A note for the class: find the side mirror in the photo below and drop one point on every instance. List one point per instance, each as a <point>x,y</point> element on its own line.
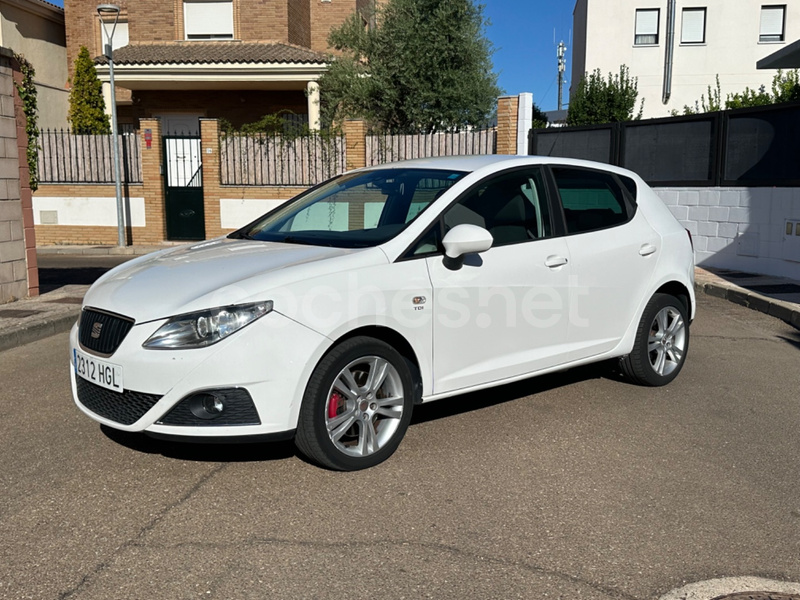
<point>462,240</point>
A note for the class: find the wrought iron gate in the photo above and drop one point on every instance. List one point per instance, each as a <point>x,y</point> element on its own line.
<point>183,181</point>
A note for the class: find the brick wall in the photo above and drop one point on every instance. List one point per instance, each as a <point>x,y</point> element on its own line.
<point>507,110</point>
<point>83,26</point>
<point>264,20</point>
<point>326,16</point>
<point>154,20</point>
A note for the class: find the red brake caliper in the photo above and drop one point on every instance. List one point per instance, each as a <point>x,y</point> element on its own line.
<point>334,404</point>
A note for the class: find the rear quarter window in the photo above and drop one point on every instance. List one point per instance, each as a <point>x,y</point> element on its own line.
<point>591,200</point>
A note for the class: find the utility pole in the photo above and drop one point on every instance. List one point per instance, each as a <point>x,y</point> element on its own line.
<point>562,65</point>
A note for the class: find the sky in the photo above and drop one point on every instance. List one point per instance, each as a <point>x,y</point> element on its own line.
<point>523,34</point>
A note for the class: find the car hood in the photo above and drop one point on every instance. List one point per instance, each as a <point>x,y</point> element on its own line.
<point>219,272</point>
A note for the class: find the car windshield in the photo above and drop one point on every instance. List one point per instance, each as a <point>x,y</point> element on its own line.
<point>355,210</point>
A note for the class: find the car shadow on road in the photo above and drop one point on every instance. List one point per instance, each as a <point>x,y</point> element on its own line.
<point>513,391</point>
<point>202,452</point>
<point>233,452</point>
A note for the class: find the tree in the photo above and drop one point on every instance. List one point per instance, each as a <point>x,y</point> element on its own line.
<point>598,100</point>
<point>86,105</point>
<point>540,119</point>
<point>425,66</point>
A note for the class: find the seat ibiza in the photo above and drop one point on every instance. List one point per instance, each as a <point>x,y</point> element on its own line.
<point>329,318</point>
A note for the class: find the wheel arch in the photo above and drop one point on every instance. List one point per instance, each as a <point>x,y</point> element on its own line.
<point>397,341</point>
<point>679,291</point>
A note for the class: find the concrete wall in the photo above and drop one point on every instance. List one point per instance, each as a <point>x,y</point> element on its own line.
<point>745,229</point>
<point>37,32</point>
<point>731,49</point>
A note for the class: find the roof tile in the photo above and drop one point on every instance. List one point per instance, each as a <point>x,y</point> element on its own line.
<point>191,52</point>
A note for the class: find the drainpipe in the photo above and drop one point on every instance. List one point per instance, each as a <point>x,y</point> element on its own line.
<point>668,56</point>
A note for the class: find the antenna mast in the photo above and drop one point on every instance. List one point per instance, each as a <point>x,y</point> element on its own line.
<point>562,65</point>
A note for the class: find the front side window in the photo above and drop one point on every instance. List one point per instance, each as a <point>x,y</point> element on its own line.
<point>773,23</point>
<point>208,20</point>
<point>646,27</point>
<point>591,200</point>
<point>355,211</point>
<point>511,206</point>
<point>693,26</point>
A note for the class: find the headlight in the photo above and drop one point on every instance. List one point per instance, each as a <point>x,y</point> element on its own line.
<point>200,329</point>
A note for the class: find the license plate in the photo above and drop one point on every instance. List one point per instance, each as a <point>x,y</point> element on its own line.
<point>99,372</point>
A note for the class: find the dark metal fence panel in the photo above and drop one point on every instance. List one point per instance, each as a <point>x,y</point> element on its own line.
<point>65,157</point>
<point>674,151</point>
<point>261,159</point>
<point>762,146</point>
<point>382,147</point>
<point>598,143</point>
<point>744,147</point>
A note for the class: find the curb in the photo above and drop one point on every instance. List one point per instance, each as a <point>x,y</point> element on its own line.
<point>16,337</point>
<point>785,311</point>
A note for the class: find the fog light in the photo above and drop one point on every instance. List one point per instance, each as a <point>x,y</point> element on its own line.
<point>206,406</point>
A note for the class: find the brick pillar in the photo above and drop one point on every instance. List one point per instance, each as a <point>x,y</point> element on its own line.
<point>355,141</point>
<point>155,229</point>
<point>507,109</point>
<point>212,189</point>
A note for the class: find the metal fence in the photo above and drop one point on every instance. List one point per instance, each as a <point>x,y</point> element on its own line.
<point>383,148</point>
<point>744,147</point>
<point>66,157</point>
<point>262,159</point>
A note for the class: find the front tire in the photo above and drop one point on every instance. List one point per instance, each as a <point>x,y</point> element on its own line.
<point>662,342</point>
<point>357,405</point>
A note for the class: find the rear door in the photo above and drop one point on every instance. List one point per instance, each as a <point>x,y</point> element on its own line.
<point>613,252</point>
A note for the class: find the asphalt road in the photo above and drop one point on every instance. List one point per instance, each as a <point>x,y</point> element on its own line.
<point>575,485</point>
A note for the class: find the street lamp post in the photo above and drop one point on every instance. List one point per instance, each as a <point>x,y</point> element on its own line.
<point>105,11</point>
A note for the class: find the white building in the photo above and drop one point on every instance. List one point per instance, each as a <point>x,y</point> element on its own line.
<point>676,48</point>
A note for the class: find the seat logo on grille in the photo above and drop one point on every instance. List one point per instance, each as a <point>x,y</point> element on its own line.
<point>96,329</point>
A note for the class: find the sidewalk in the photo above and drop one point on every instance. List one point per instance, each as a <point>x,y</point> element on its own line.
<point>33,319</point>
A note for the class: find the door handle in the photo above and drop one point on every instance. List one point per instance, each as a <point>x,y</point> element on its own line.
<point>647,249</point>
<point>555,261</point>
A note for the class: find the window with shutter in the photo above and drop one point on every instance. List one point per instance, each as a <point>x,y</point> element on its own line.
<point>208,20</point>
<point>646,27</point>
<point>693,26</point>
<point>773,21</point>
<point>120,37</point>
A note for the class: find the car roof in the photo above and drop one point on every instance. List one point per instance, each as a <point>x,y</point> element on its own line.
<point>493,162</point>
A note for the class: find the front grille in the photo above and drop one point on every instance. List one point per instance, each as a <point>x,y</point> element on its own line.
<point>125,408</point>
<point>102,332</point>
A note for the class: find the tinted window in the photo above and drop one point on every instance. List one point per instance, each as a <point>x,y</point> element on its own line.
<point>512,207</point>
<point>591,199</point>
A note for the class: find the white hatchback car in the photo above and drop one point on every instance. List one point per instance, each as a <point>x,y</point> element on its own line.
<point>329,318</point>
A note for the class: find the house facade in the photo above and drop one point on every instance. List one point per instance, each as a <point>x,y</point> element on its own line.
<point>182,60</point>
<point>677,48</point>
<point>35,30</point>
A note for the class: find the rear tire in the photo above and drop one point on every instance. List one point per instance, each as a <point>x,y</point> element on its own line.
<point>661,345</point>
<point>357,405</point>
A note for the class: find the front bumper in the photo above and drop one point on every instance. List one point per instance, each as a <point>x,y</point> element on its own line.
<point>271,359</point>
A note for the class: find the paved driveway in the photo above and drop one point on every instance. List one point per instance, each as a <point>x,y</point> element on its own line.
<point>573,485</point>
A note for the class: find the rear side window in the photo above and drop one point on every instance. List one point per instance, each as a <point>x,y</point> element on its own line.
<point>591,200</point>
